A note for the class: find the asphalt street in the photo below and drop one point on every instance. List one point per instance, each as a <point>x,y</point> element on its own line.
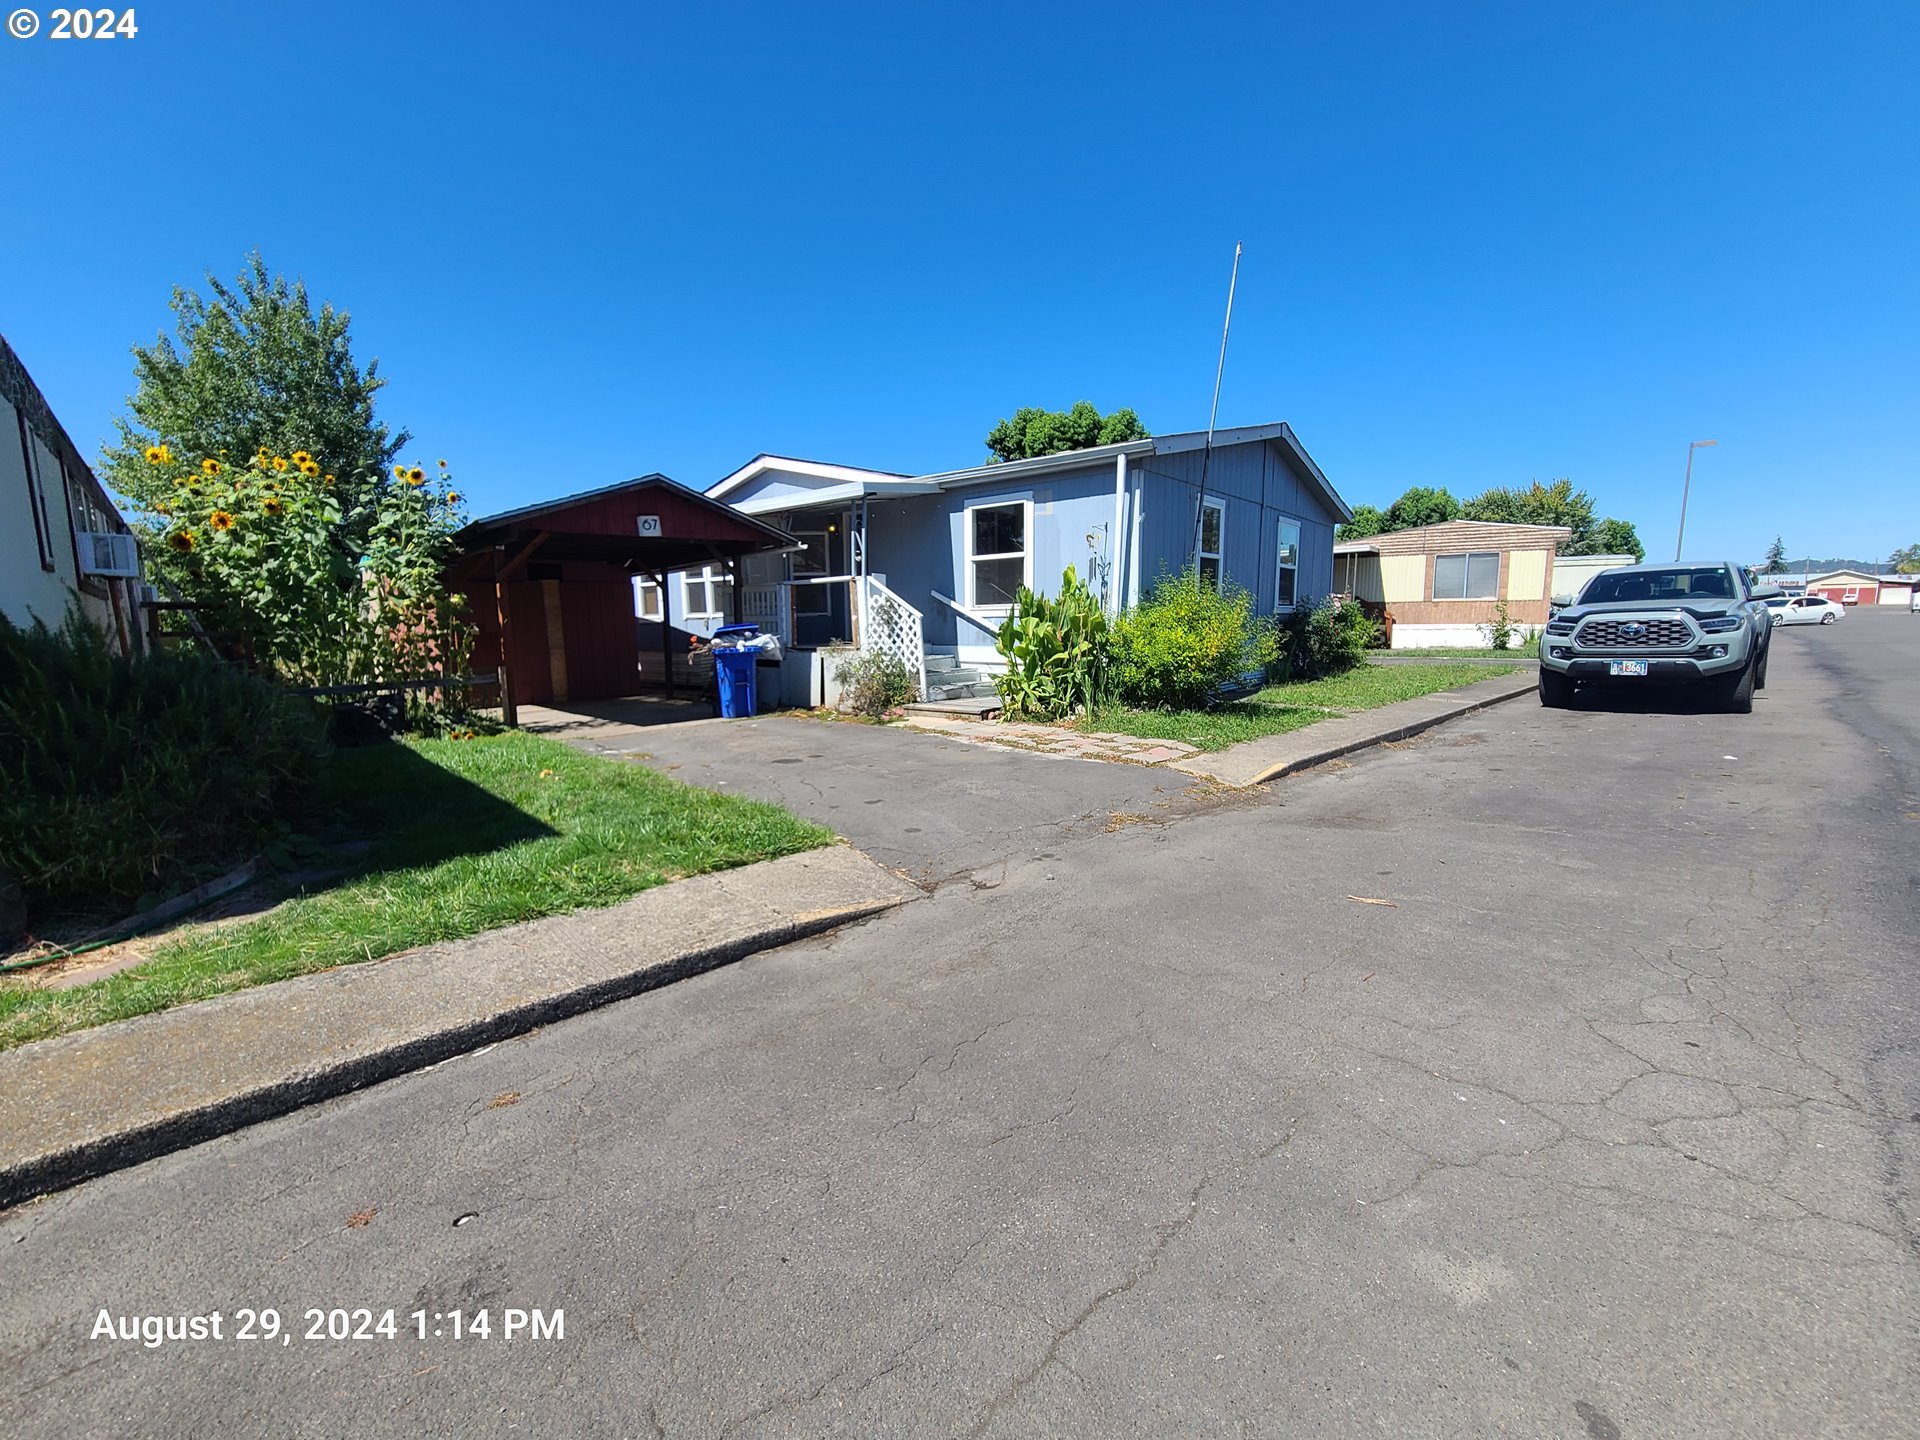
<point>1555,1073</point>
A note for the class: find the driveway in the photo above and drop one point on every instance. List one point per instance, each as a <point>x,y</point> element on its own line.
<point>928,806</point>
<point>1602,1125</point>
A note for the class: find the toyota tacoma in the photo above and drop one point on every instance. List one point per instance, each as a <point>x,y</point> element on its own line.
<point>1685,624</point>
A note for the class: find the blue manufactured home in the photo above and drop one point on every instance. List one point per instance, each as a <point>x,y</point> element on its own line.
<point>926,566</point>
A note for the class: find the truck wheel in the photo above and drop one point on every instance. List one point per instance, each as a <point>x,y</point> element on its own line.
<point>1556,690</point>
<point>1739,691</point>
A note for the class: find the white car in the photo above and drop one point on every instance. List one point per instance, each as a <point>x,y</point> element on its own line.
<point>1805,610</point>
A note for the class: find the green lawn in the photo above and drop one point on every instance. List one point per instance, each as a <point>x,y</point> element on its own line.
<point>1460,652</point>
<point>467,835</point>
<point>1206,729</point>
<point>1280,708</point>
<point>1366,686</point>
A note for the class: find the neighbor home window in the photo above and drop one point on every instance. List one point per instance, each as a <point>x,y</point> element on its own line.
<point>1286,575</point>
<point>998,563</point>
<point>1466,577</point>
<point>649,599</point>
<point>1213,529</point>
<point>708,593</point>
<point>36,494</point>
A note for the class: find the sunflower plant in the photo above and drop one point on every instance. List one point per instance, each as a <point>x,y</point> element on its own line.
<point>301,585</point>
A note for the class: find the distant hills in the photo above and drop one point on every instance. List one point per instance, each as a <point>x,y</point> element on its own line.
<point>1815,567</point>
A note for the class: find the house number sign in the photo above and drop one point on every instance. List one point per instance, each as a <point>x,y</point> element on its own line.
<point>650,525</point>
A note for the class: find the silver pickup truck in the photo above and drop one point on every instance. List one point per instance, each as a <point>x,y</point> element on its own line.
<point>1688,624</point>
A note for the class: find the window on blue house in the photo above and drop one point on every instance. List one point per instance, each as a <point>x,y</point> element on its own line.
<point>1213,534</point>
<point>650,599</point>
<point>1286,570</point>
<point>998,562</point>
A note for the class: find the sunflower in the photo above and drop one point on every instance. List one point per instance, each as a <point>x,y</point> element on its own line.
<point>416,476</point>
<point>279,463</point>
<point>399,472</point>
<point>312,467</point>
<point>443,464</point>
<point>212,467</point>
<point>181,541</point>
<point>155,455</point>
<point>327,478</point>
<point>453,497</point>
<point>300,458</point>
<point>273,505</point>
<point>221,520</point>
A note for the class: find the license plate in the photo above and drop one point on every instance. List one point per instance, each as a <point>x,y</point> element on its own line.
<point>1626,667</point>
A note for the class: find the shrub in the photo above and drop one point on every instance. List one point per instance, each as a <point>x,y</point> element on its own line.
<point>1322,637</point>
<point>122,776</point>
<point>1501,631</point>
<point>1185,642</point>
<point>872,683</point>
<point>1056,652</point>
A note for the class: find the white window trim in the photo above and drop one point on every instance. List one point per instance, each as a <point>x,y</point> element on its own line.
<point>1299,538</point>
<point>1466,574</point>
<point>1219,556</point>
<point>1026,556</point>
<point>643,585</point>
<point>704,577</point>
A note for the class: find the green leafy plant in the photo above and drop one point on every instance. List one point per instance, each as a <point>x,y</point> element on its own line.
<point>1056,652</point>
<point>298,584</point>
<point>1186,642</point>
<point>1321,637</point>
<point>873,682</point>
<point>1501,631</point>
<point>121,776</point>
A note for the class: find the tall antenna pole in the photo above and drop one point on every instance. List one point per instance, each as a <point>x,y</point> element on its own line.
<point>1206,455</point>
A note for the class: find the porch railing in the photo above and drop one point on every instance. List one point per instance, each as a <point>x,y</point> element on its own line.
<point>890,626</point>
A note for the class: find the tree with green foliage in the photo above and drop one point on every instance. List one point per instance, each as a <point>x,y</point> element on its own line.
<point>1034,432</point>
<point>254,366</point>
<point>1421,505</point>
<point>1906,561</point>
<point>1776,557</point>
<point>1613,537</point>
<point>1367,520</point>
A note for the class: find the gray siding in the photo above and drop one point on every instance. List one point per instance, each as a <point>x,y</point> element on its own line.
<point>1259,487</point>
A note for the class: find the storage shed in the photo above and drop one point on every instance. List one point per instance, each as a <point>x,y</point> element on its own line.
<point>551,585</point>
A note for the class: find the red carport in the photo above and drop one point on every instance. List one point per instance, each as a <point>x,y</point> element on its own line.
<point>550,586</point>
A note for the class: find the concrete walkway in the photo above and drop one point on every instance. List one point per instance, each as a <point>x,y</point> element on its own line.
<point>1253,762</point>
<point>1061,740</point>
<point>98,1100</point>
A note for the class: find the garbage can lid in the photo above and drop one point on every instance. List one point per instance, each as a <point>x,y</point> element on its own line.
<point>745,631</point>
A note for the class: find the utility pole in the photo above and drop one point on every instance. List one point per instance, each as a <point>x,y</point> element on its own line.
<point>1206,456</point>
<point>1686,486</point>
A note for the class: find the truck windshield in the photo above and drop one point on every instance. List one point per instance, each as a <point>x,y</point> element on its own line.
<point>1680,584</point>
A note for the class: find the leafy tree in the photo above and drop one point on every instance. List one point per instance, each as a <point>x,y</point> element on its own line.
<point>255,366</point>
<point>1776,558</point>
<point>1421,505</point>
<point>1905,561</point>
<point>1612,537</point>
<point>1367,520</point>
<point>1034,432</point>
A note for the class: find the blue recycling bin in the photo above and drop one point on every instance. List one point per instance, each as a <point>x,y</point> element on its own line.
<point>733,671</point>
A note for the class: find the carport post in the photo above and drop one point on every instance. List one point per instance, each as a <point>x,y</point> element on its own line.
<point>509,712</point>
<point>666,629</point>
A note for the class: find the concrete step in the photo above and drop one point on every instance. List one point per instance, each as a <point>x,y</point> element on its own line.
<point>976,708</point>
<point>940,664</point>
<point>967,690</point>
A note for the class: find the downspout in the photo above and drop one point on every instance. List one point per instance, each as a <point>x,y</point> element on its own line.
<point>1138,523</point>
<point>1115,552</point>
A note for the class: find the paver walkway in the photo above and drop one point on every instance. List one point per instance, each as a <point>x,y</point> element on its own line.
<point>1056,740</point>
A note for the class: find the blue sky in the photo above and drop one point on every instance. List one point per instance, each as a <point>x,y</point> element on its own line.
<point>591,241</point>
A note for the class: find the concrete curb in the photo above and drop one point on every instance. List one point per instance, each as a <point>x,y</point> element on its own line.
<point>1254,762</point>
<point>86,1104</point>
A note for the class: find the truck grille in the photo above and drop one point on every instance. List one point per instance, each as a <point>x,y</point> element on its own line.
<point>1650,634</point>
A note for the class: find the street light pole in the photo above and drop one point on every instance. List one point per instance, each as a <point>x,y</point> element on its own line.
<point>1685,487</point>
